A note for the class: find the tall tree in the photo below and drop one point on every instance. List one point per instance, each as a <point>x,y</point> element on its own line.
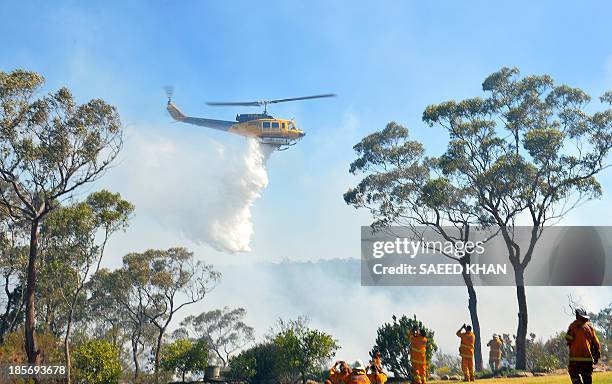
<point>224,331</point>
<point>170,280</point>
<point>73,240</point>
<point>403,187</point>
<point>49,147</point>
<point>120,309</point>
<point>528,149</point>
<point>303,351</point>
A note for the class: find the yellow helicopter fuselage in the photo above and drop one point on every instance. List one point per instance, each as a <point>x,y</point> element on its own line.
<point>279,133</point>
<point>267,128</point>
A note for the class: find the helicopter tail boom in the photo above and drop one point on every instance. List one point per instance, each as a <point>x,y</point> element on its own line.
<point>177,115</point>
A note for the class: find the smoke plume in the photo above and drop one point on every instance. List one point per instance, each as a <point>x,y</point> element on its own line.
<point>230,227</point>
<point>200,189</point>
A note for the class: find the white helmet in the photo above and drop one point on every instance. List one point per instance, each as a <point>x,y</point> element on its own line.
<point>358,364</point>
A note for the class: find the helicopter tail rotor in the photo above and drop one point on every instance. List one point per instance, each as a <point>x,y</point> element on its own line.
<point>169,92</point>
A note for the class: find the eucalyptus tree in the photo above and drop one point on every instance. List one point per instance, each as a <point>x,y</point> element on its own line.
<point>169,280</point>
<point>50,146</point>
<point>401,186</point>
<point>73,239</point>
<point>527,150</point>
<point>223,330</point>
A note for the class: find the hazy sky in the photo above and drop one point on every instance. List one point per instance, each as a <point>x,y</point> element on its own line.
<point>386,61</point>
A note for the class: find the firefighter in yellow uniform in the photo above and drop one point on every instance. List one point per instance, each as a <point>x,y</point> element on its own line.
<point>418,356</point>
<point>338,373</point>
<point>584,348</point>
<point>495,353</point>
<point>376,375</point>
<point>358,375</point>
<point>466,350</point>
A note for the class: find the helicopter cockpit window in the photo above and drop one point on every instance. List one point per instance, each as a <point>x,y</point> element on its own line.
<point>275,126</point>
<point>266,125</point>
<point>291,126</point>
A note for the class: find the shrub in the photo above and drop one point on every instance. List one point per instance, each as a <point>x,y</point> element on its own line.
<point>97,362</point>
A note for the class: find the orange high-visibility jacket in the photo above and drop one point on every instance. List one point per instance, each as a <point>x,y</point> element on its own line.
<point>418,349</point>
<point>358,377</point>
<point>495,351</point>
<point>337,377</point>
<point>377,378</point>
<point>582,341</point>
<point>466,349</point>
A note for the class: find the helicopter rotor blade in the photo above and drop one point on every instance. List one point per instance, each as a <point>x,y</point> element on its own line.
<point>238,103</point>
<point>300,98</point>
<point>169,91</point>
<point>263,103</point>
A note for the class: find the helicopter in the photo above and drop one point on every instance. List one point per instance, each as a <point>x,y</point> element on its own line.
<point>278,133</point>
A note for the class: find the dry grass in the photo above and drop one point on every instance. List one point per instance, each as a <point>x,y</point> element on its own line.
<point>598,378</point>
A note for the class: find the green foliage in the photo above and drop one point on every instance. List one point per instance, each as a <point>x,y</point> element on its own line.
<point>557,346</point>
<point>393,343</point>
<point>303,351</point>
<point>539,358</point>
<point>97,362</point>
<point>12,350</point>
<point>259,364</point>
<point>603,325</point>
<point>184,356</point>
<point>446,364</point>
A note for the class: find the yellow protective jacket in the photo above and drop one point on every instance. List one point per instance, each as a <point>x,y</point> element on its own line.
<point>377,378</point>
<point>495,351</point>
<point>466,349</point>
<point>418,349</point>
<point>337,377</point>
<point>583,342</point>
<point>358,377</point>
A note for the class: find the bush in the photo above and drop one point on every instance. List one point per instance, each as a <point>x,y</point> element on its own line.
<point>394,345</point>
<point>259,364</point>
<point>184,356</point>
<point>446,364</point>
<point>539,358</point>
<point>97,362</point>
<point>12,350</point>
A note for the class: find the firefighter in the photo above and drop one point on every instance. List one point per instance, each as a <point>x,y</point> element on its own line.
<point>339,373</point>
<point>584,348</point>
<point>466,350</point>
<point>358,374</point>
<point>376,375</point>
<point>418,356</point>
<point>376,360</point>
<point>495,353</point>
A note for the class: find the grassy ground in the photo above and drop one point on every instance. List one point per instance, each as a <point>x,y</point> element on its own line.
<point>598,378</point>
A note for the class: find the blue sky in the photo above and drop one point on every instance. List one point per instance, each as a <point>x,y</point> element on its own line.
<point>386,61</point>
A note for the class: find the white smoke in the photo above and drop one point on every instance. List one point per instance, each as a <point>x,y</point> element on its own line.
<point>199,188</point>
<point>230,225</point>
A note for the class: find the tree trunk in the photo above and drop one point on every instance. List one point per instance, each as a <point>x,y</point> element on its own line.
<point>473,307</point>
<point>158,354</point>
<point>135,357</point>
<point>67,350</point>
<point>30,320</point>
<point>521,333</point>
